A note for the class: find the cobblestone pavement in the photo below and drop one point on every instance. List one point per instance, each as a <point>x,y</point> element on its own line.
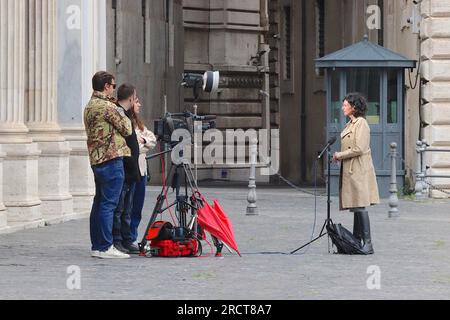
<point>411,261</point>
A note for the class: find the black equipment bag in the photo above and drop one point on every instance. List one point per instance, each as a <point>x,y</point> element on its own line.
<point>344,240</point>
<point>160,230</point>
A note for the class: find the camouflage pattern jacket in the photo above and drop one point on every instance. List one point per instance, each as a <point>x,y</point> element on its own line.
<point>106,128</point>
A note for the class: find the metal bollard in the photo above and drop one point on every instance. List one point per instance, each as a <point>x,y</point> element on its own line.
<point>425,188</point>
<point>393,198</point>
<point>419,174</point>
<point>252,209</point>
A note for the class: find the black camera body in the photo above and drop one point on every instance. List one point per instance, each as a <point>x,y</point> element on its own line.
<point>165,127</point>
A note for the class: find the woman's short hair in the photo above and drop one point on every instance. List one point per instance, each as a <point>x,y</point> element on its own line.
<point>358,102</point>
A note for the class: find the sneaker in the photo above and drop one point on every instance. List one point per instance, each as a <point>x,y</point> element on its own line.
<point>131,248</point>
<point>120,247</point>
<point>95,253</point>
<point>112,253</point>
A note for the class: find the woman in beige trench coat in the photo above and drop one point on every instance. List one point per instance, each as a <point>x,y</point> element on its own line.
<point>358,187</point>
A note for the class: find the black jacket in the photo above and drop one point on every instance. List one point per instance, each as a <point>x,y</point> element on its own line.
<point>131,164</point>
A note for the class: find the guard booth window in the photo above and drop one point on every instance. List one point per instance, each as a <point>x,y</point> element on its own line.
<point>367,82</point>
<point>392,97</point>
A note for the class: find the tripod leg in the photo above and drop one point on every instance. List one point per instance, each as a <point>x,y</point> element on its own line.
<point>314,240</point>
<point>219,246</point>
<point>157,210</point>
<point>328,221</point>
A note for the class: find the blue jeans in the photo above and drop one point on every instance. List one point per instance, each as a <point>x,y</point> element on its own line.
<point>109,178</point>
<point>138,205</point>
<point>122,220</point>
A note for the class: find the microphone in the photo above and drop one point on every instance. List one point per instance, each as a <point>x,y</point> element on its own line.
<point>193,116</point>
<point>206,118</point>
<point>329,144</point>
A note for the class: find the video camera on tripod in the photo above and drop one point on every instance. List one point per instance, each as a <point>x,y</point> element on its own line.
<point>165,127</point>
<point>182,240</point>
<point>163,239</point>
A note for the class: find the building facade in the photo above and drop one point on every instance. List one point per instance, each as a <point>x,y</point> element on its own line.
<point>49,52</point>
<point>264,49</point>
<point>229,37</point>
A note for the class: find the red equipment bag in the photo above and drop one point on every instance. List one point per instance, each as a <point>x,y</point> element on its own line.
<point>170,248</point>
<point>164,242</point>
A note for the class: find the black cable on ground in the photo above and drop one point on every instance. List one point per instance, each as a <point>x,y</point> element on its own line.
<point>315,207</point>
<point>315,215</point>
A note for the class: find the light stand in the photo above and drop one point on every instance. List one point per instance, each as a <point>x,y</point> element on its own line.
<point>208,82</point>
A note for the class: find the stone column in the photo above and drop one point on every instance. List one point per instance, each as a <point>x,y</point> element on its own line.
<point>82,185</point>
<point>81,53</point>
<point>3,217</point>
<point>41,113</point>
<point>20,167</point>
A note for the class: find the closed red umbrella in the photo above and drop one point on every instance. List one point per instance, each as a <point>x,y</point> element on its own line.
<point>215,221</point>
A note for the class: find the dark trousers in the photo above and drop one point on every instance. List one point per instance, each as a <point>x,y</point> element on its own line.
<point>122,220</point>
<point>109,179</point>
<point>138,205</point>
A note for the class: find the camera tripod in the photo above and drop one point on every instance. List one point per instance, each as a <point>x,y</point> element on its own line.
<point>182,204</point>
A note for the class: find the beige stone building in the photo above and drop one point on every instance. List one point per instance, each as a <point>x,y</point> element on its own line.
<point>264,49</point>
<point>229,36</point>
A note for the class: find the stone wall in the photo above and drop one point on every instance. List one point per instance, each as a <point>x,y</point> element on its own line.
<point>228,36</point>
<point>400,36</point>
<point>145,48</point>
<point>20,166</point>
<point>299,103</point>
<point>47,62</point>
<point>3,215</point>
<point>435,34</point>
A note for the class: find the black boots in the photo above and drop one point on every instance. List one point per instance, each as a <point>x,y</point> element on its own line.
<point>356,226</point>
<point>361,230</point>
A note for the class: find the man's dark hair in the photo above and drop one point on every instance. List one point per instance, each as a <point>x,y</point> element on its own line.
<point>125,91</point>
<point>101,79</point>
<point>358,102</point>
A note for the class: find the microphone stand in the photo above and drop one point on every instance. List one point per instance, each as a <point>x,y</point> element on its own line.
<point>328,221</point>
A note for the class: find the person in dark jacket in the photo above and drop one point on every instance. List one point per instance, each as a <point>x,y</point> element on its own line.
<point>123,241</point>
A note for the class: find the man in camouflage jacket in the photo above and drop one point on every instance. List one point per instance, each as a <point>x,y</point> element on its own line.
<point>106,126</point>
<point>106,129</point>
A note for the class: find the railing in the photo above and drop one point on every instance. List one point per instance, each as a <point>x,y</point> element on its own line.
<point>422,187</point>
